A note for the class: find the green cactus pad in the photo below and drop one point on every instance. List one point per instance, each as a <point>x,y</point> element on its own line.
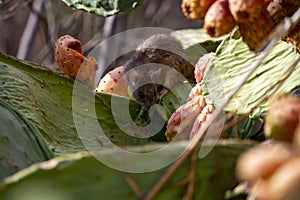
<point>104,7</point>
<point>44,97</point>
<point>81,176</point>
<point>233,60</point>
<point>197,42</point>
<point>21,143</point>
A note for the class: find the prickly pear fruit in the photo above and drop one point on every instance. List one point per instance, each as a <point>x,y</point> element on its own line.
<point>87,72</point>
<point>282,118</point>
<point>218,19</point>
<point>68,55</point>
<point>272,169</point>
<point>181,122</point>
<point>113,82</point>
<point>195,9</point>
<point>266,157</point>
<point>296,139</point>
<point>69,59</point>
<point>204,117</point>
<point>245,10</point>
<point>285,182</point>
<point>201,65</point>
<point>196,91</point>
<point>254,32</point>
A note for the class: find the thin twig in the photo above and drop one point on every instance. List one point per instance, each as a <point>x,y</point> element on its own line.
<point>133,185</point>
<point>180,183</point>
<point>197,138</point>
<point>234,122</point>
<point>192,176</point>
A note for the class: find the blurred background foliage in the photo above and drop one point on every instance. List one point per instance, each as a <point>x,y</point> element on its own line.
<point>30,28</point>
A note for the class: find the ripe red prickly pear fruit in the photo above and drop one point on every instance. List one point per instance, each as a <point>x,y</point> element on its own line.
<point>68,55</point>
<point>182,120</point>
<point>114,82</point>
<point>204,117</point>
<point>245,10</point>
<point>283,117</point>
<point>218,19</point>
<point>196,91</point>
<point>285,182</point>
<point>267,157</point>
<point>69,59</point>
<point>201,65</point>
<point>254,32</point>
<point>195,9</point>
<point>87,72</point>
<point>69,42</point>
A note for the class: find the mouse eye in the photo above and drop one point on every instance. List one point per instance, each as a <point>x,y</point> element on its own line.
<point>160,88</point>
<point>142,95</point>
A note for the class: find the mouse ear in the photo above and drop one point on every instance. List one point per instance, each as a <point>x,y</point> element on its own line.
<point>155,75</point>
<point>132,76</point>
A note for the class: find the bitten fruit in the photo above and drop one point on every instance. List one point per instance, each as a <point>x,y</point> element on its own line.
<point>69,60</point>
<point>114,82</point>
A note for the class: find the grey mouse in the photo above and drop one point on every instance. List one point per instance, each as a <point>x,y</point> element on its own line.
<point>157,65</point>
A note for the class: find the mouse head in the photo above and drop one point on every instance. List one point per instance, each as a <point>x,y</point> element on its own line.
<point>145,87</point>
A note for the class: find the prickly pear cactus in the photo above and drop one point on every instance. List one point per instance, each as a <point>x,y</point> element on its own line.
<point>21,144</point>
<point>44,98</point>
<point>104,7</point>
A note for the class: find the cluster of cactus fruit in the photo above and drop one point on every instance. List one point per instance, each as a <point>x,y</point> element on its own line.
<point>278,161</point>
<point>271,170</point>
<point>255,18</point>
<point>187,120</point>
